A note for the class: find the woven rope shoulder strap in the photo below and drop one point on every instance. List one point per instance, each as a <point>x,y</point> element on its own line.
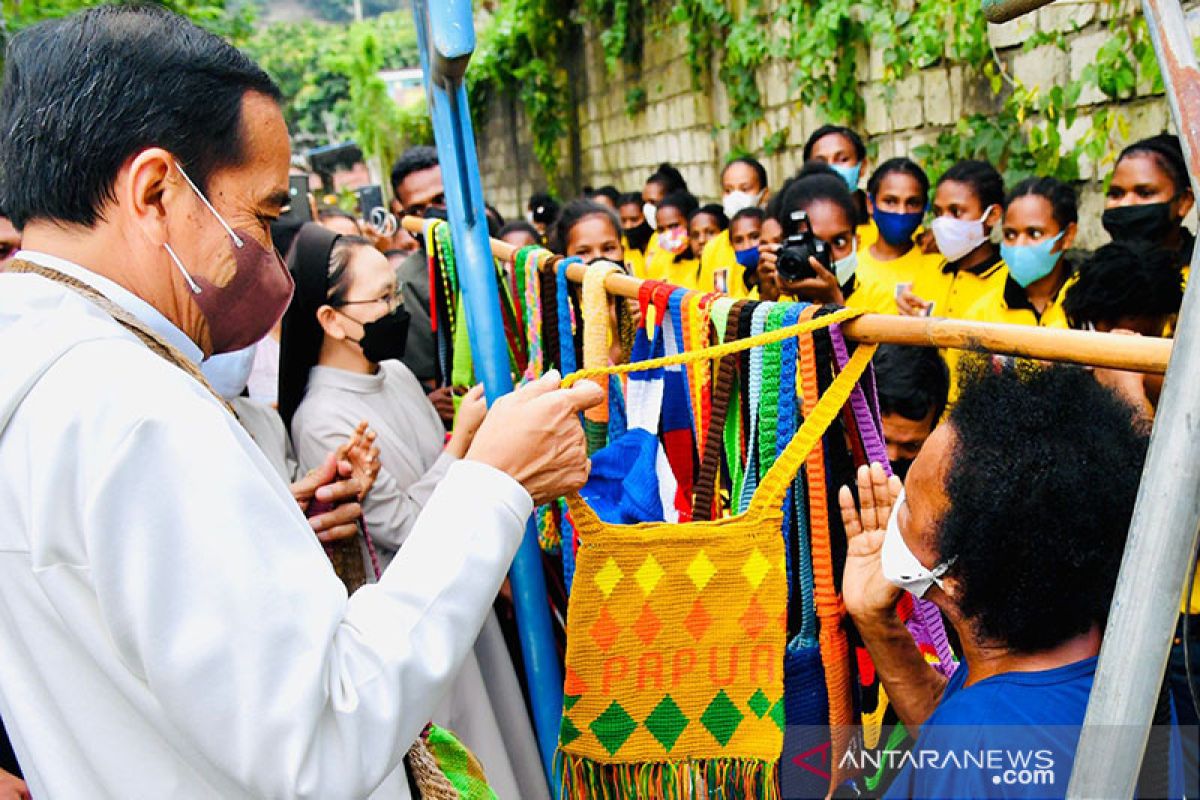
<point>152,340</point>
<point>768,498</point>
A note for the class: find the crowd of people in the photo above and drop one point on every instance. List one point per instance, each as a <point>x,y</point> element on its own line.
<point>169,625</point>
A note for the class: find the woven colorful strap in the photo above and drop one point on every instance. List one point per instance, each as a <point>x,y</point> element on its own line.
<point>596,333</point>
<point>927,619</point>
<point>758,324</point>
<point>566,319</point>
<point>785,427</point>
<point>737,435</point>
<point>704,505</point>
<point>527,269</point>
<point>835,648</point>
<point>768,407</point>
<point>548,277</point>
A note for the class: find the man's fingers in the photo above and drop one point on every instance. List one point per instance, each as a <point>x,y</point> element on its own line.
<point>866,498</point>
<point>543,385</point>
<point>345,514</point>
<point>850,520</point>
<point>879,487</point>
<point>337,533</point>
<point>474,393</point>
<point>340,491</point>
<point>584,395</point>
<point>895,486</point>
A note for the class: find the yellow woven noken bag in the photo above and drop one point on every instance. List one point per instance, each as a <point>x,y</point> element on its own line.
<point>676,633</point>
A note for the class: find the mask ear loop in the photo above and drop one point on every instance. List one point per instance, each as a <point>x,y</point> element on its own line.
<point>237,240</point>
<point>182,270</point>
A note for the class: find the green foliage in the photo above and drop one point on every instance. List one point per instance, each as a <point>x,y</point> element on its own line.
<point>218,16</point>
<point>313,64</point>
<point>520,55</point>
<point>635,101</point>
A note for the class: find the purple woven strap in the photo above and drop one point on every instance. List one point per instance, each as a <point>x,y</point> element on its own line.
<point>927,618</point>
<point>868,424</point>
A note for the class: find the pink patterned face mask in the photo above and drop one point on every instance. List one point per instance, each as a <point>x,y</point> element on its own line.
<point>673,240</point>
<point>246,308</point>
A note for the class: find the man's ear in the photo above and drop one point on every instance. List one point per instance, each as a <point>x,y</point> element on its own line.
<point>148,185</point>
<point>331,322</point>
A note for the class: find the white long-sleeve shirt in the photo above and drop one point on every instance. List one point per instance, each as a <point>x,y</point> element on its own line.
<point>169,626</point>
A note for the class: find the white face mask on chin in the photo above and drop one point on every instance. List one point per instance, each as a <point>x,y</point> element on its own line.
<point>900,566</point>
<point>958,237</point>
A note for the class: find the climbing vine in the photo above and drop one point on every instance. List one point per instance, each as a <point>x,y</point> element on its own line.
<point>831,48</point>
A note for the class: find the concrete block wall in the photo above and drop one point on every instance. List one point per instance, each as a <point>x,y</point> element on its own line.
<point>688,127</point>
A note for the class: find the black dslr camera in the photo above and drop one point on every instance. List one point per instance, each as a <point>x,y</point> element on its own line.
<point>792,262</point>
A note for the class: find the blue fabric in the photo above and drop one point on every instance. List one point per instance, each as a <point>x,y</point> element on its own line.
<point>617,422</point>
<point>1026,721</point>
<point>623,486</point>
<point>566,335</point>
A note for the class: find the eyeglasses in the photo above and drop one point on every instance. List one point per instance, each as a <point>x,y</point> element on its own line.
<point>393,300</point>
<point>419,209</point>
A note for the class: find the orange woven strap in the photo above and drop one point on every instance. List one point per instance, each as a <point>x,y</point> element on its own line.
<point>594,302</point>
<point>835,648</point>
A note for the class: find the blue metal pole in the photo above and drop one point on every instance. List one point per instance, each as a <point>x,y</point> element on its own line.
<point>446,35</point>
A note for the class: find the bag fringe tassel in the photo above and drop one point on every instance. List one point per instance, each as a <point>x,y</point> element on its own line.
<point>693,779</point>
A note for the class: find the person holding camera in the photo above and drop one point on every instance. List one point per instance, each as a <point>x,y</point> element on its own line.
<point>818,258</point>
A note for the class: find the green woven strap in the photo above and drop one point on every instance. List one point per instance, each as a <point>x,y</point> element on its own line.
<point>768,408</point>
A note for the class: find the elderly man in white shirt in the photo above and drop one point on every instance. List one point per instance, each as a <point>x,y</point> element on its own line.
<point>169,625</point>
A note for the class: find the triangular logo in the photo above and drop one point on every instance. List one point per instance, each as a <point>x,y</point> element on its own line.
<point>816,760</point>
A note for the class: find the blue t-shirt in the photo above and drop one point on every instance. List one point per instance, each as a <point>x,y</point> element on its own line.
<point>1010,735</point>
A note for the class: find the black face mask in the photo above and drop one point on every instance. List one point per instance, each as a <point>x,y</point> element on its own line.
<point>900,467</point>
<point>639,237</point>
<point>384,339</point>
<point>1152,222</point>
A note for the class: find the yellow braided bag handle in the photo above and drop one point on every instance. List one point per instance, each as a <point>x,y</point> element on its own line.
<point>717,351</point>
<point>768,497</point>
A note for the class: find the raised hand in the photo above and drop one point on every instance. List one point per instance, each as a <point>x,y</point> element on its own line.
<point>362,456</point>
<point>866,592</point>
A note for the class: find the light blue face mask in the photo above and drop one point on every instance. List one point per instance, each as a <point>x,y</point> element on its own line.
<point>1031,262</point>
<point>849,174</point>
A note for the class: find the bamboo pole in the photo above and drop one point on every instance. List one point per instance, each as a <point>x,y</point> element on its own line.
<point>1135,353</point>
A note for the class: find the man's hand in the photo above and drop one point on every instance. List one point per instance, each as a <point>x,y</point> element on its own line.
<point>361,453</point>
<point>330,484</point>
<point>443,402</point>
<point>12,787</point>
<point>868,595</point>
<point>534,435</point>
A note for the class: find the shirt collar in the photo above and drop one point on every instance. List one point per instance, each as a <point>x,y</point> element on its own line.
<point>982,270</point>
<point>1016,299</point>
<point>150,316</point>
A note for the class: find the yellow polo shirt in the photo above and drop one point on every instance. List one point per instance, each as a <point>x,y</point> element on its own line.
<point>954,292</point>
<point>878,279</point>
<point>719,256</point>
<point>635,260</point>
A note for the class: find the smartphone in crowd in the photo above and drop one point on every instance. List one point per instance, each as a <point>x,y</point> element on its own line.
<point>369,198</point>
<point>299,208</point>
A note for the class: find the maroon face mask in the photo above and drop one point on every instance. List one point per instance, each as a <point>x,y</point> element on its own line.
<point>245,309</point>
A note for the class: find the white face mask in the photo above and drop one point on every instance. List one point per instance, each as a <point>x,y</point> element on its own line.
<point>650,212</point>
<point>228,373</point>
<point>900,566</point>
<point>734,202</point>
<point>845,268</point>
<point>957,237</point>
